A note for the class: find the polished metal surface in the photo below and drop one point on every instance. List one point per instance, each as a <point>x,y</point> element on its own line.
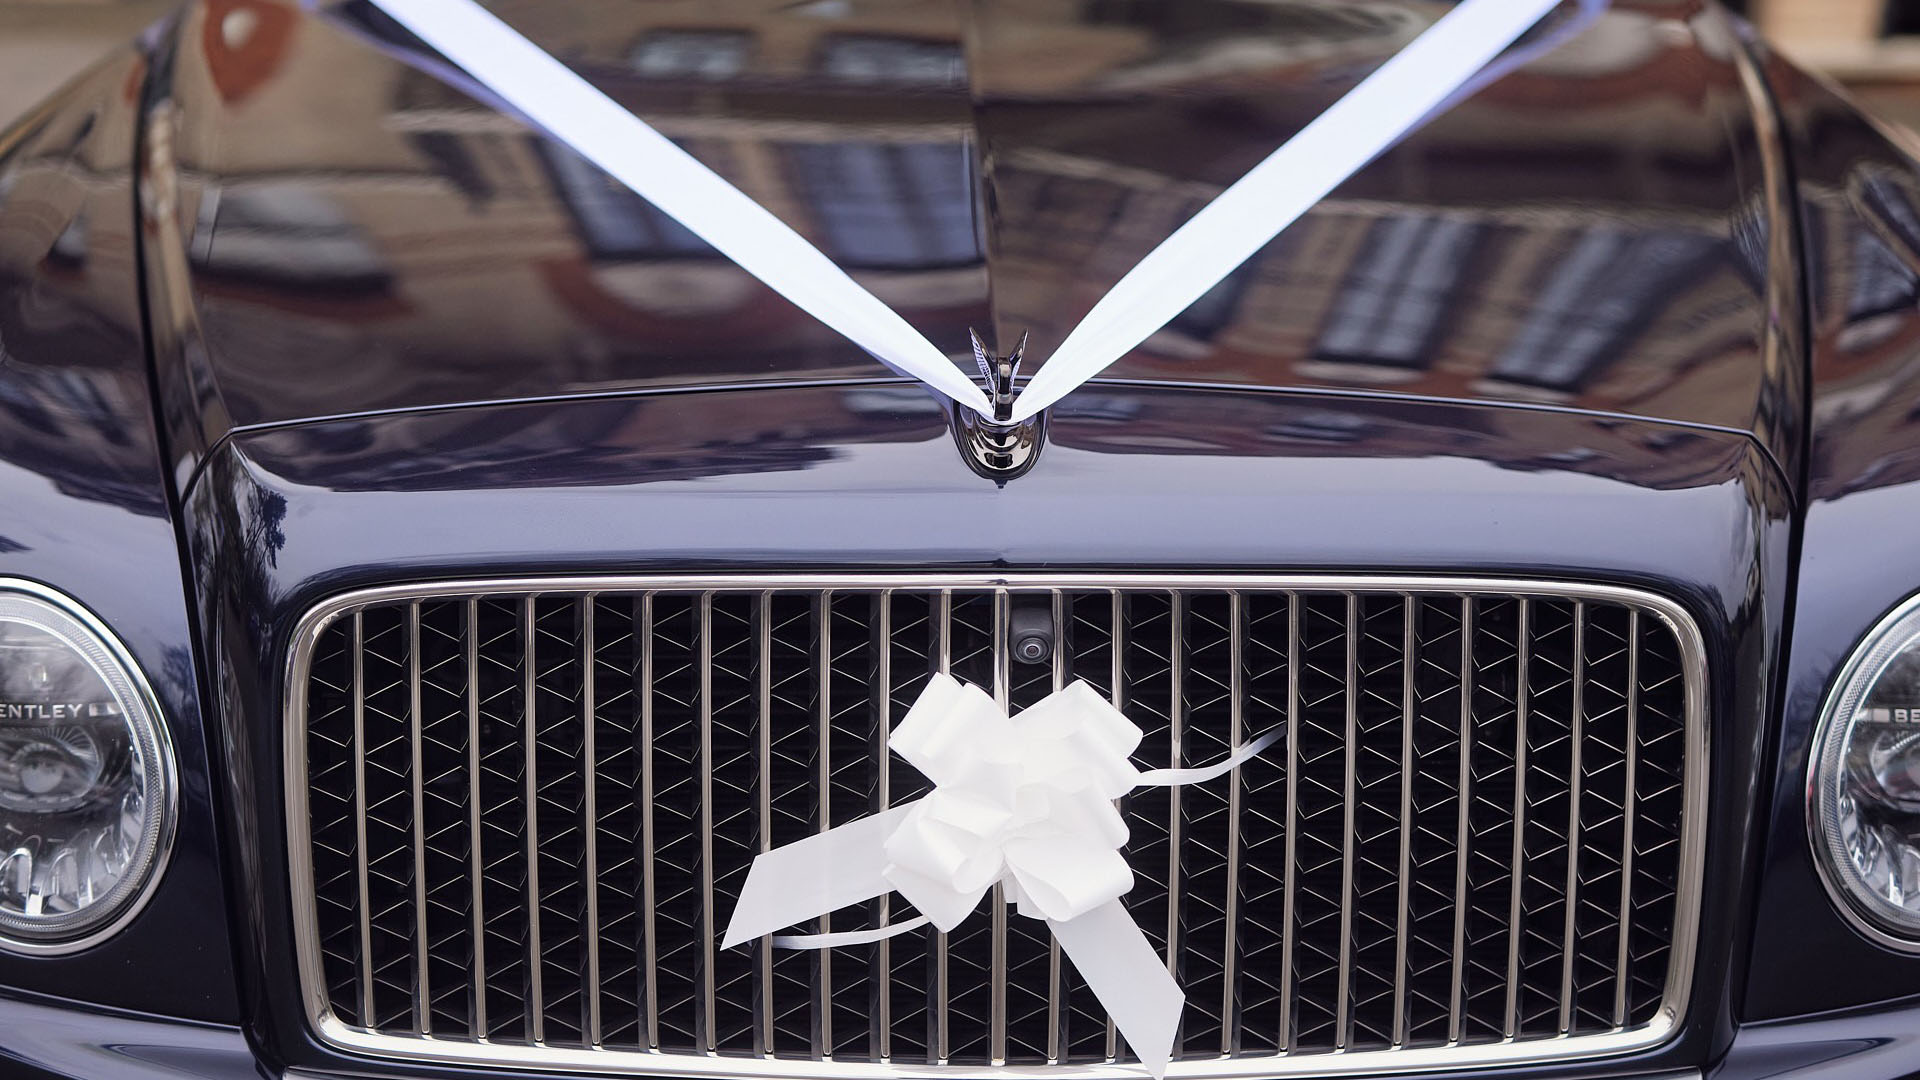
<point>561,783</point>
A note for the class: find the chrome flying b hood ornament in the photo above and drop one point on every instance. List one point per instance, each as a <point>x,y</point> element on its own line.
<point>998,373</point>
<point>997,446</point>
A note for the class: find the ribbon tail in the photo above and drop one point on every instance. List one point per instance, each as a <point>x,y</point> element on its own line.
<point>1129,979</point>
<point>1400,95</point>
<point>1204,773</point>
<point>809,878</point>
<point>848,937</point>
<point>572,110</point>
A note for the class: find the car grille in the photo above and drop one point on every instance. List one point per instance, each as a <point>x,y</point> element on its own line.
<point>521,811</point>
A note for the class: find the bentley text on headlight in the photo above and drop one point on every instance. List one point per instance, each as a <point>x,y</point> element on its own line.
<point>86,777</point>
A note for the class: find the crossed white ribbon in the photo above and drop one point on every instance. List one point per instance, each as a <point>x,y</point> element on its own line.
<point>1025,802</point>
<point>1448,62</point>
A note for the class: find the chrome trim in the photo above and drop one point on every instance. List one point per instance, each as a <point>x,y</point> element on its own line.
<point>360,815</point>
<point>1176,831</point>
<point>1056,974</point>
<point>536,998</point>
<point>1576,786</point>
<point>1516,875</point>
<point>1626,810</point>
<point>476,865</point>
<point>422,998</point>
<point>823,735</point>
<point>1343,997</point>
<point>997,902</point>
<point>1407,660</point>
<point>590,812</point>
<point>1118,683</point>
<point>703,1015</point>
<point>652,984</point>
<point>763,803</point>
<point>412,1048</point>
<point>1236,736</point>
<point>943,1032</point>
<point>1291,835</point>
<point>883,799</point>
<point>1464,810</point>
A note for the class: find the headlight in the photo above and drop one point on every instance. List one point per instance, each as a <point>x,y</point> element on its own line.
<point>86,776</point>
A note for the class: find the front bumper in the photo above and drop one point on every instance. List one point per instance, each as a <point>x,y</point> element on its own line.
<point>51,1039</point>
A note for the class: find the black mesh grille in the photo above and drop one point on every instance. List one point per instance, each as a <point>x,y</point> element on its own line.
<point>530,816</point>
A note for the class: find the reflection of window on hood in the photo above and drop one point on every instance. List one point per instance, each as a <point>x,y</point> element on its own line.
<point>285,233</point>
<point>1397,293</point>
<point>1885,240</point>
<point>1597,295</point>
<point>614,223</point>
<point>894,61</point>
<point>70,247</point>
<point>691,54</point>
<point>1214,311</point>
<point>1877,281</point>
<point>895,206</point>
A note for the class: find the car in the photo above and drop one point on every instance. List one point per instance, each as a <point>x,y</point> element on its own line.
<point>435,580</point>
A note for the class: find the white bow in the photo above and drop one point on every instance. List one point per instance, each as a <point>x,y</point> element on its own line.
<point>1025,802</point>
<point>1451,59</point>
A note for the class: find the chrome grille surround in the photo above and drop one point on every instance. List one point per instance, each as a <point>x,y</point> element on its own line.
<point>425,958</point>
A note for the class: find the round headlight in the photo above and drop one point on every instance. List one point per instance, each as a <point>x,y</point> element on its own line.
<point>86,777</point>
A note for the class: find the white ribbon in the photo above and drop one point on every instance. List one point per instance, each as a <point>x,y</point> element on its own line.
<point>1025,802</point>
<point>1451,59</point>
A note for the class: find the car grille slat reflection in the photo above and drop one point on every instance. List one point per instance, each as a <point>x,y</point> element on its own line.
<point>525,815</point>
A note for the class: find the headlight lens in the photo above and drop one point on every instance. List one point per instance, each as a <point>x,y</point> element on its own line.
<point>86,777</point>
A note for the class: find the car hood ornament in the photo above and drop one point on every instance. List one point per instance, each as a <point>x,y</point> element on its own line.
<point>999,372</point>
<point>995,445</point>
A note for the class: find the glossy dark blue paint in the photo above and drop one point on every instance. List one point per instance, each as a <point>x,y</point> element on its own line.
<point>87,509</point>
<point>1603,236</point>
<point>435,367</point>
<point>1856,192</point>
<point>47,1038</point>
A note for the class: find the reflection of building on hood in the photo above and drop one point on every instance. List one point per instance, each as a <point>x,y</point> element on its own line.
<point>841,120</point>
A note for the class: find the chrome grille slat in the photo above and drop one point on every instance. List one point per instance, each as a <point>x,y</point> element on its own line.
<point>650,992</point>
<point>882,1030</point>
<point>1236,736</point>
<point>1117,628</point>
<point>536,1005</point>
<point>942,972</point>
<point>523,810</point>
<point>763,803</point>
<point>1176,827</point>
<point>423,993</point>
<point>1463,798</point>
<point>590,832</point>
<point>1343,1001</point>
<point>823,765</point>
<point>1292,830</point>
<point>1626,846</point>
<point>1407,653</point>
<point>360,810</point>
<point>1571,897</point>
<point>997,902</point>
<point>1056,974</point>
<point>1516,874</point>
<point>471,643</point>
